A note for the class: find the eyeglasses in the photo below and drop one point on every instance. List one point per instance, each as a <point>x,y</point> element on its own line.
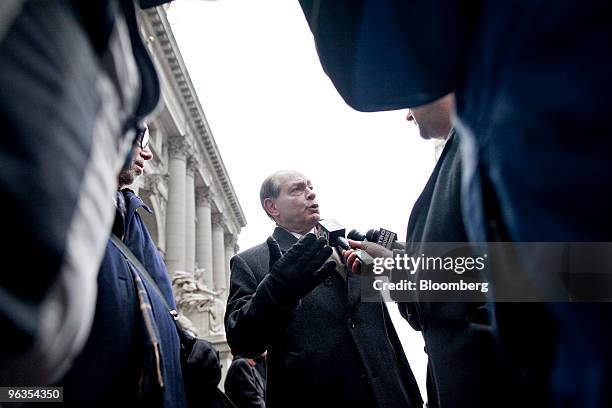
<point>142,136</point>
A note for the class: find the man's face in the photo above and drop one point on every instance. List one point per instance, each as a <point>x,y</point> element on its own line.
<point>139,157</point>
<point>296,207</point>
<point>434,119</point>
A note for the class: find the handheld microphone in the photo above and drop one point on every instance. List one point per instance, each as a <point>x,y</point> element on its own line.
<point>333,232</point>
<point>356,235</point>
<point>381,237</point>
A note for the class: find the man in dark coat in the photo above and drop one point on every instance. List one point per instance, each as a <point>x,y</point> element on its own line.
<point>458,336</point>
<point>244,384</point>
<point>325,347</point>
<point>133,352</point>
<point>533,88</point>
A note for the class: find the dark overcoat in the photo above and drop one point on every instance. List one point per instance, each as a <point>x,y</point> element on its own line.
<point>331,351</point>
<point>458,336</point>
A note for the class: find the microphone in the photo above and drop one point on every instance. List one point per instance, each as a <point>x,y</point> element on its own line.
<point>356,235</point>
<point>381,237</point>
<point>334,233</point>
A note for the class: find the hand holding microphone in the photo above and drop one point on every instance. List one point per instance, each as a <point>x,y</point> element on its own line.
<point>354,257</point>
<point>374,244</point>
<point>360,251</point>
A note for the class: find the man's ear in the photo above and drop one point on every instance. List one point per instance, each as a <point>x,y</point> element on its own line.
<point>270,207</point>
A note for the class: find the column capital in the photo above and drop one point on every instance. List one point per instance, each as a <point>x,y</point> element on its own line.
<point>152,181</point>
<point>218,220</point>
<point>177,147</point>
<point>229,240</point>
<point>203,196</point>
<point>193,164</point>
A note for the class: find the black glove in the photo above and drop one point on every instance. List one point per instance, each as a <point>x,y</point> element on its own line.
<point>201,369</point>
<point>295,274</point>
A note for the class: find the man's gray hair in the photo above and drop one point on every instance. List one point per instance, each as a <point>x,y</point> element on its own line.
<point>271,187</point>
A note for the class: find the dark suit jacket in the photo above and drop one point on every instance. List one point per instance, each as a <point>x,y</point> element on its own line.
<point>458,336</point>
<point>332,351</point>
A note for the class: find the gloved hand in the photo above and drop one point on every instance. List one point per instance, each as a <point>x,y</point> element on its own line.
<point>295,274</point>
<point>201,368</point>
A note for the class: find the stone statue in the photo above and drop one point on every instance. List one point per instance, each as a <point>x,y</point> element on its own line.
<point>196,302</point>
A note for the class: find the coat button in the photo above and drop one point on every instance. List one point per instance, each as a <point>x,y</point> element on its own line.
<point>328,281</point>
<point>352,323</point>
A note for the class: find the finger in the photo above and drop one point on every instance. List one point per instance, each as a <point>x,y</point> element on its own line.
<point>351,259</point>
<point>275,251</point>
<point>319,259</point>
<point>299,247</point>
<point>356,266</point>
<point>315,247</point>
<point>346,254</point>
<point>356,244</point>
<point>308,238</point>
<point>348,259</point>
<point>349,264</point>
<point>305,242</point>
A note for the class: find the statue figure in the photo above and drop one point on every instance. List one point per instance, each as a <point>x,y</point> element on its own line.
<point>193,297</point>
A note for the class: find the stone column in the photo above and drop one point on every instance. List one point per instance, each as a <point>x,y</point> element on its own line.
<point>190,215</point>
<point>175,213</point>
<point>236,246</point>
<point>230,241</point>
<point>218,252</point>
<point>204,249</point>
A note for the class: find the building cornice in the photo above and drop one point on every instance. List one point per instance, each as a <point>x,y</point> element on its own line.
<point>173,62</point>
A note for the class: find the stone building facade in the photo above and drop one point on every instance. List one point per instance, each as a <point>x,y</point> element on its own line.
<point>196,215</point>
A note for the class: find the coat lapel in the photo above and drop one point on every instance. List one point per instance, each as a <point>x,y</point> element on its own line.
<point>284,238</point>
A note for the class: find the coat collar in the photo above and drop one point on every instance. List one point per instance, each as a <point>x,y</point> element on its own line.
<point>133,202</point>
<point>284,238</point>
<point>124,214</point>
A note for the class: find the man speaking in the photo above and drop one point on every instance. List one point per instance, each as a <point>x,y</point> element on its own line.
<point>286,296</point>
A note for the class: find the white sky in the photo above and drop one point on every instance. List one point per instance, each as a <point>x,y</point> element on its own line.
<point>270,106</point>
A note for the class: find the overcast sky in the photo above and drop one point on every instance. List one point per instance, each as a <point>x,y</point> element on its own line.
<point>270,106</point>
